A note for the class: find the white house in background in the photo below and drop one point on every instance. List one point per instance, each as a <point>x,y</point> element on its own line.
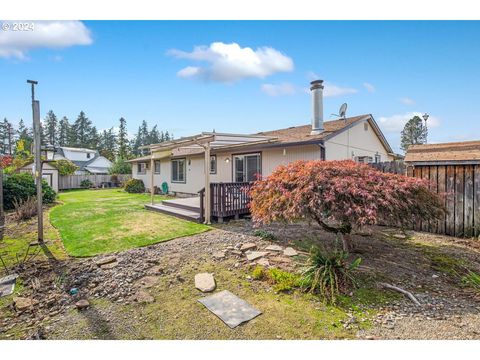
<point>88,161</point>
<point>241,158</point>
<point>49,173</point>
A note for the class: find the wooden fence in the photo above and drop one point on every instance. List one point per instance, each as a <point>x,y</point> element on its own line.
<point>227,199</point>
<point>396,167</point>
<point>460,185</point>
<point>74,181</point>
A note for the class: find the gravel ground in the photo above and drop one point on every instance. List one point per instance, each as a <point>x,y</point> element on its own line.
<point>448,311</point>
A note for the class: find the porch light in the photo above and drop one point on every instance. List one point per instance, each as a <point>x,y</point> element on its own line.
<point>48,151</point>
<point>284,152</point>
<point>227,160</point>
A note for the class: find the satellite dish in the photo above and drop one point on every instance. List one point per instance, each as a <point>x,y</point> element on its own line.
<point>343,110</point>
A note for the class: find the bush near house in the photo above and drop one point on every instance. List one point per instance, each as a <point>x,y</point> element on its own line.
<point>120,166</point>
<point>135,186</point>
<point>20,187</point>
<point>86,184</point>
<point>64,167</point>
<point>341,196</point>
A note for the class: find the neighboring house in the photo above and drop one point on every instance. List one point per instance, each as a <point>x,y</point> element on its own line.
<point>88,161</point>
<point>49,173</point>
<point>241,158</point>
<point>453,153</point>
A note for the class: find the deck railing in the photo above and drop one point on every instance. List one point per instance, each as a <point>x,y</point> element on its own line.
<point>227,199</point>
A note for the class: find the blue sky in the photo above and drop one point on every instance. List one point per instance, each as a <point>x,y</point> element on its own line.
<point>150,71</point>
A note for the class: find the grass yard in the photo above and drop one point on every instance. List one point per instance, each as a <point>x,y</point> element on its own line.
<point>93,222</point>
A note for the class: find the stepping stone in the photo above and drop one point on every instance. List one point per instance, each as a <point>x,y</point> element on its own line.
<point>274,248</point>
<point>219,255</point>
<point>205,282</point>
<point>143,297</point>
<point>280,260</point>
<point>263,262</point>
<point>290,252</point>
<point>82,304</point>
<point>248,246</point>
<point>232,310</point>
<point>253,255</point>
<point>22,304</point>
<point>7,284</point>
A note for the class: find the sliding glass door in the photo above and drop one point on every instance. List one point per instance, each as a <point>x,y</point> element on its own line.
<point>247,167</point>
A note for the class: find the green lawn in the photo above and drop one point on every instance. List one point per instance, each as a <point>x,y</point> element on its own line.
<point>94,222</point>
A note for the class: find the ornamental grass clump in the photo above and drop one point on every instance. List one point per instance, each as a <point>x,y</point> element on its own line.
<point>341,196</point>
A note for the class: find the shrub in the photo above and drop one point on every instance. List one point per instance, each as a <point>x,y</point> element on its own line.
<point>21,186</point>
<point>472,279</point>
<point>283,281</point>
<point>258,272</point>
<point>25,209</point>
<point>264,234</point>
<point>120,166</point>
<point>134,186</point>
<point>329,273</point>
<point>86,184</point>
<point>64,167</point>
<point>342,195</point>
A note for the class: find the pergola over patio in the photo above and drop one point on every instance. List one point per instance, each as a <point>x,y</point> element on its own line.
<point>204,142</point>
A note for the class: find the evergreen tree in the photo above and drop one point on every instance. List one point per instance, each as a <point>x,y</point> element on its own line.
<point>51,128</point>
<point>153,136</point>
<point>413,133</point>
<point>123,139</point>
<point>25,135</point>
<point>7,137</point>
<point>107,146</point>
<point>141,139</point>
<point>82,131</point>
<point>64,130</point>
<point>93,139</point>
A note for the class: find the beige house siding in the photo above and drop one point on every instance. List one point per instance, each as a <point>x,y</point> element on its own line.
<point>356,141</point>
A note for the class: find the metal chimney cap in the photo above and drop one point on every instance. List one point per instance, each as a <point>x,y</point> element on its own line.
<point>316,84</point>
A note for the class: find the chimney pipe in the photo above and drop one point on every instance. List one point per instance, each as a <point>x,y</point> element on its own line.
<point>316,87</point>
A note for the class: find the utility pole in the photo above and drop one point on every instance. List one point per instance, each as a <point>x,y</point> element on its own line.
<point>37,143</point>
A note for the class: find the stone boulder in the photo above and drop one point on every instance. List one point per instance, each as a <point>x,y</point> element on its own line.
<point>205,282</point>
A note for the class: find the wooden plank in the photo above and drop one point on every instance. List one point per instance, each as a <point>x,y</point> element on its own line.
<point>417,173</point>
<point>459,200</point>
<point>468,224</point>
<point>476,200</point>
<point>450,201</point>
<point>410,171</point>
<point>441,184</point>
<point>425,176</point>
<point>434,187</point>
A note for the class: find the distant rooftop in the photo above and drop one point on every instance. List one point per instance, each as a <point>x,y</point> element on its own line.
<point>455,152</point>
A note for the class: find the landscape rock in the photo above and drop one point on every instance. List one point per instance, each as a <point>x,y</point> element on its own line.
<point>147,282</point>
<point>280,259</point>
<point>143,297</point>
<point>82,304</point>
<point>205,282</point>
<point>105,260</point>
<point>253,255</point>
<point>290,252</point>
<point>274,248</point>
<point>248,246</point>
<point>219,255</point>
<point>22,303</point>
<point>263,262</point>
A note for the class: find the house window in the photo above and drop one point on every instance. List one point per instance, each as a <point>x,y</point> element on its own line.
<point>378,158</point>
<point>213,164</point>
<point>178,170</point>
<point>365,126</point>
<point>157,166</point>
<point>141,168</point>
<point>247,167</point>
<point>88,155</point>
<point>364,159</point>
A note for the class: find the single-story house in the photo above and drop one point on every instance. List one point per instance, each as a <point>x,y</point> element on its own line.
<point>88,161</point>
<point>242,158</point>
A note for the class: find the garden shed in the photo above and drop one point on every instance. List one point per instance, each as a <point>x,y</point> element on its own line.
<point>49,173</point>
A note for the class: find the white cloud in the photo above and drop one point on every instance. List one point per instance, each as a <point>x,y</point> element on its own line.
<point>229,62</point>
<point>45,34</point>
<point>279,89</point>
<point>369,87</point>
<point>332,90</point>
<point>407,101</point>
<point>396,123</point>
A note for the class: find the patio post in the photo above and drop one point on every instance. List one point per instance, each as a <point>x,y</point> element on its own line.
<point>207,184</point>
<point>152,187</point>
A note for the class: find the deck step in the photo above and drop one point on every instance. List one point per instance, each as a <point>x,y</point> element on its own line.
<point>175,211</point>
<point>185,204</point>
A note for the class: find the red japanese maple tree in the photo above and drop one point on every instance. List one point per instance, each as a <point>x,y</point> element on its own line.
<point>341,196</point>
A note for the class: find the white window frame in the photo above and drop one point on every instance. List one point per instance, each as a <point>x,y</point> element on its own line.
<point>245,170</point>
<point>213,161</point>
<point>184,161</point>
<point>142,170</point>
<point>155,162</point>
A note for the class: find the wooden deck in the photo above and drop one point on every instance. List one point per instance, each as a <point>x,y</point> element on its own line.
<point>185,208</point>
